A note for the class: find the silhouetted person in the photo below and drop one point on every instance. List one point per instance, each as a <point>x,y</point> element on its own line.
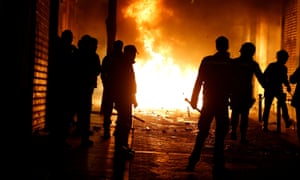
<point>106,77</point>
<point>213,77</point>
<point>295,79</point>
<point>124,97</point>
<point>61,102</point>
<point>89,68</point>
<point>241,100</point>
<point>61,96</point>
<point>275,75</point>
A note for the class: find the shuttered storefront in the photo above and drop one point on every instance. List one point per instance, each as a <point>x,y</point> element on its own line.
<point>290,41</point>
<point>40,64</point>
<point>290,37</point>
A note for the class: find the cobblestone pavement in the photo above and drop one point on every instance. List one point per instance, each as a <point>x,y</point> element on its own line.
<point>162,146</point>
<point>164,142</point>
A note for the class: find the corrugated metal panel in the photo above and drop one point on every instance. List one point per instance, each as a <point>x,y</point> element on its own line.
<point>289,40</point>
<point>290,33</point>
<point>41,64</point>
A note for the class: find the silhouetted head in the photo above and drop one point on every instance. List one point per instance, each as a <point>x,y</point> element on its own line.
<point>118,45</point>
<point>282,56</point>
<point>130,53</point>
<point>248,49</point>
<point>83,43</point>
<point>67,36</point>
<point>222,43</point>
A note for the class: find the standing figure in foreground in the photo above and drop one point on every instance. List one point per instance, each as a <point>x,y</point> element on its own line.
<point>61,98</point>
<point>275,75</point>
<point>106,76</point>
<point>295,79</point>
<point>61,87</point>
<point>213,77</point>
<point>241,100</point>
<point>124,97</point>
<point>89,68</point>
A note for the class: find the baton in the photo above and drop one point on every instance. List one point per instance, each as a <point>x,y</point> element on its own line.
<point>135,117</point>
<point>187,100</point>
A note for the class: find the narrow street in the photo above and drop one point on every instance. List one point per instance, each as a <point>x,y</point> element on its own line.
<point>163,142</point>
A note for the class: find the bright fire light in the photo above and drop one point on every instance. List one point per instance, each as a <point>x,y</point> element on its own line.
<point>160,82</point>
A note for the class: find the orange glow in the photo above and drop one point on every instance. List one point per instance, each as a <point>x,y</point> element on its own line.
<point>160,82</point>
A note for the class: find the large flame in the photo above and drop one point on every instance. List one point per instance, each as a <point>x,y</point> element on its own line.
<point>160,82</point>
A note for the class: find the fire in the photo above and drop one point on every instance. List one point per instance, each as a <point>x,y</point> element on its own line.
<point>160,82</point>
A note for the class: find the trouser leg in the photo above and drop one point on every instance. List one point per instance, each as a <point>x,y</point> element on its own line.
<point>123,127</point>
<point>222,123</point>
<point>204,126</point>
<point>268,103</point>
<point>244,124</point>
<point>84,115</point>
<point>234,122</point>
<point>107,122</point>
<point>282,103</point>
<point>107,108</point>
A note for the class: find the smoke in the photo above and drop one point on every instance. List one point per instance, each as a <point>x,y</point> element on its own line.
<point>90,20</point>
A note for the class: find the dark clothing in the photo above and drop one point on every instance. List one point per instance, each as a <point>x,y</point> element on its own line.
<point>88,68</point>
<point>60,100</point>
<point>124,97</point>
<point>61,96</point>
<point>242,82</point>
<point>107,103</point>
<point>213,77</point>
<point>242,99</point>
<point>275,75</point>
<point>295,79</point>
<point>213,74</point>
